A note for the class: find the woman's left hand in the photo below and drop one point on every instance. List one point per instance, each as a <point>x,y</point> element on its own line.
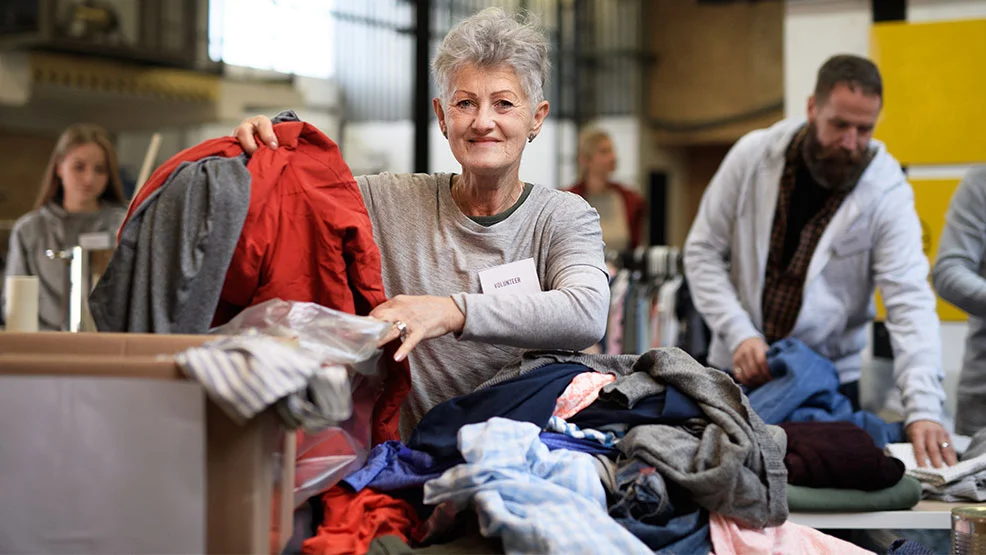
<point>424,317</point>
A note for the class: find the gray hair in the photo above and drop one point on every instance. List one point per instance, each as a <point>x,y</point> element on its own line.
<point>491,38</point>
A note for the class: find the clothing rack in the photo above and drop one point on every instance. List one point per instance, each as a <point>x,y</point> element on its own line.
<point>659,262</point>
<point>642,299</point>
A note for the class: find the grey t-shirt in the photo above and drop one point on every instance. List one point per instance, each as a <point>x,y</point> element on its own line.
<point>429,247</point>
<point>51,227</point>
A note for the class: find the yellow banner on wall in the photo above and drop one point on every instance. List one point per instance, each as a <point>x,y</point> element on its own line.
<point>934,78</point>
<point>931,199</point>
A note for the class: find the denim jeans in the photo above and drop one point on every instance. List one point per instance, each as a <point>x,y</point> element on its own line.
<point>805,388</point>
<point>645,508</point>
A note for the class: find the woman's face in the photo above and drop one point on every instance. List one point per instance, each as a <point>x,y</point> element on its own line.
<point>488,119</point>
<point>603,160</point>
<point>83,173</point>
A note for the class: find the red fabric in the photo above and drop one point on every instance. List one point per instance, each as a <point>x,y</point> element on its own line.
<point>633,202</point>
<point>354,520</point>
<point>306,237</point>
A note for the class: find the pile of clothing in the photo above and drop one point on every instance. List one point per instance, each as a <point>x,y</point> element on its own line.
<point>625,453</point>
<point>963,482</point>
<point>835,458</point>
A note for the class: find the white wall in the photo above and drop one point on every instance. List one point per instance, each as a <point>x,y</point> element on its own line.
<point>817,29</point>
<point>942,10</point>
<point>814,30</point>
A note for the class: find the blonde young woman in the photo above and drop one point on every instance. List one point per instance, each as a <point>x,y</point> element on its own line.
<point>621,209</point>
<point>80,193</point>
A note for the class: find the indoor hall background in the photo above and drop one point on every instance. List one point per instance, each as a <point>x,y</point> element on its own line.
<point>383,49</point>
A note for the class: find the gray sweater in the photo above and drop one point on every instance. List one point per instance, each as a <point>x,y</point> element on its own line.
<point>429,247</point>
<point>728,460</point>
<point>51,227</point>
<point>167,274</point>
<point>960,278</point>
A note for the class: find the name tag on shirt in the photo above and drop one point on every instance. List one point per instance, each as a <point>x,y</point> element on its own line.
<point>100,240</point>
<point>515,278</point>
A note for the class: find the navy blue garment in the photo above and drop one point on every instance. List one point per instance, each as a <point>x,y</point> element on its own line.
<point>556,441</point>
<point>908,547</point>
<point>393,466</point>
<point>805,388</point>
<point>644,506</point>
<point>530,397</point>
<point>663,408</point>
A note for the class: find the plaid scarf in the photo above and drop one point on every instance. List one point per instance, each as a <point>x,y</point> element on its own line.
<point>784,287</point>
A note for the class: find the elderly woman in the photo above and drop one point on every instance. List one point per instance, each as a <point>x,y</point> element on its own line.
<point>479,264</point>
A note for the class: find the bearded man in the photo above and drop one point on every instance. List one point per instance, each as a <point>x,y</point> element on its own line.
<point>796,229</point>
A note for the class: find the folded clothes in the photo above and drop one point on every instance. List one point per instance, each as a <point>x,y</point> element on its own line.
<point>903,495</point>
<point>965,481</point>
<point>936,476</point>
<point>837,455</point>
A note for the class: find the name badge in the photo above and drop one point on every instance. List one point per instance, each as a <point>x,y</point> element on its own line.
<point>515,278</point>
<point>100,240</point>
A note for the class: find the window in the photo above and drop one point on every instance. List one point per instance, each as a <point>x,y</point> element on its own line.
<point>287,36</point>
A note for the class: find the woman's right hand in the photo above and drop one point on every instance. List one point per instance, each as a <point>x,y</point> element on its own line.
<point>252,130</point>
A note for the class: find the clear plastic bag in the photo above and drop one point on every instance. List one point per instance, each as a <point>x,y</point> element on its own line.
<point>337,337</point>
<point>325,457</point>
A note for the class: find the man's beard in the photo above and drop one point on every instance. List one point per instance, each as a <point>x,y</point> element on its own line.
<point>833,168</point>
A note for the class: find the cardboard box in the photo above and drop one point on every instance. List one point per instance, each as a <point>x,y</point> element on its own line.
<point>247,498</point>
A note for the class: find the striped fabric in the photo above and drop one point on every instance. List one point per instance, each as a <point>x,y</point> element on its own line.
<point>561,426</point>
<point>245,376</point>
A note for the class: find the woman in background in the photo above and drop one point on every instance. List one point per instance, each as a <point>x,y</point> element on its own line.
<point>621,210</point>
<point>81,193</point>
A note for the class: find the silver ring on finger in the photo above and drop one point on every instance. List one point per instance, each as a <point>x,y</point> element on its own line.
<point>944,445</point>
<point>402,328</point>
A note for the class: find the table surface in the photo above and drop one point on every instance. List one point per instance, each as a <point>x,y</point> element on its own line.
<point>925,515</point>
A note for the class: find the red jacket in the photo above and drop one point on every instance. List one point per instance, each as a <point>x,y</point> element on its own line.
<point>306,237</point>
<point>632,201</point>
